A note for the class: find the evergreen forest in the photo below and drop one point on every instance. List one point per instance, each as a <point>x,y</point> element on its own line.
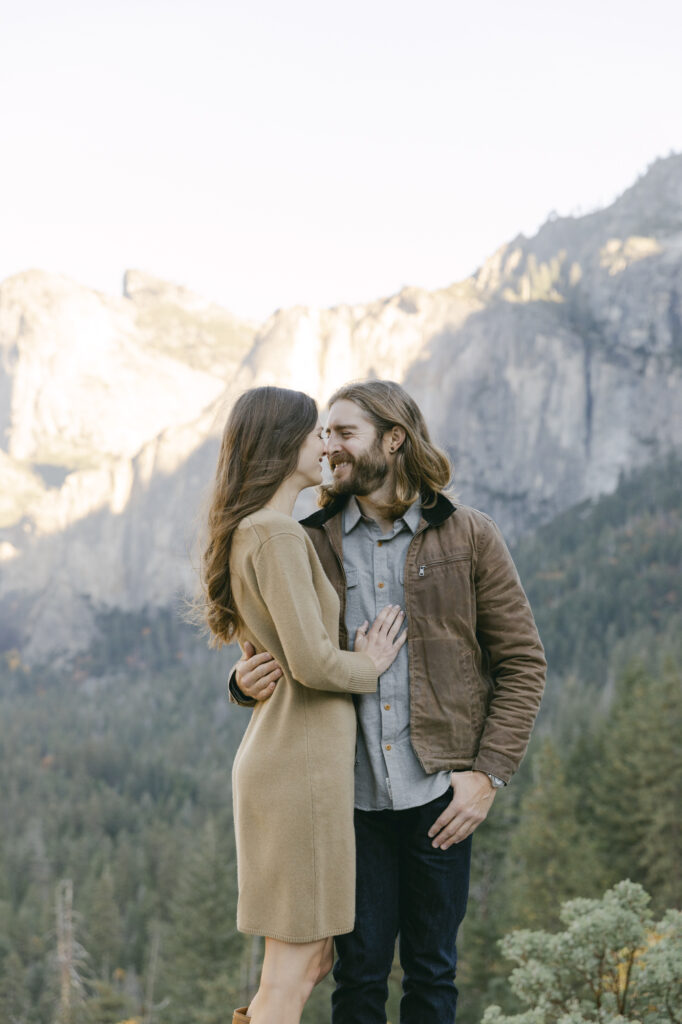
<point>117,864</point>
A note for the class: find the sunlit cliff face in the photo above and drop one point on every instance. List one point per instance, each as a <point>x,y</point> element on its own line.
<point>547,374</point>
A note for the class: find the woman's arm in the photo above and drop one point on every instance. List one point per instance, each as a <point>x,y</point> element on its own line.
<point>285,582</point>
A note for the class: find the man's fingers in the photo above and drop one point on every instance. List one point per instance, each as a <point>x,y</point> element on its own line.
<point>248,665</point>
<point>442,820</point>
<point>262,688</point>
<point>453,832</point>
<point>453,826</point>
<point>457,837</point>
<point>256,669</point>
<point>269,680</point>
<point>256,675</point>
<point>256,660</point>
<point>263,692</point>
<point>249,650</point>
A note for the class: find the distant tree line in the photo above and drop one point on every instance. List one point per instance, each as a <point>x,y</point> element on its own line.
<point>117,873</point>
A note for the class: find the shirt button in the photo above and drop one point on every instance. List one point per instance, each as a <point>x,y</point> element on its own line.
<point>379,543</point>
<point>388,746</point>
<point>381,585</point>
<point>387,707</point>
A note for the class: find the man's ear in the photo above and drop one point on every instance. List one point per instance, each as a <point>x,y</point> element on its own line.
<point>394,437</point>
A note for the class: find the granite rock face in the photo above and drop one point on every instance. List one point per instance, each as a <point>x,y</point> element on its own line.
<point>572,371</point>
<point>554,368</point>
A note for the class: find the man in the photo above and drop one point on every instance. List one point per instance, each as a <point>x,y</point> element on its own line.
<point>451,719</point>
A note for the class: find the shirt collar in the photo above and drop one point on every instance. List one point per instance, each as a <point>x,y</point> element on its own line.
<point>352,515</point>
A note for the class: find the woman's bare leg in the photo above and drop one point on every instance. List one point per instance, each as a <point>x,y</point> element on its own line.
<point>290,972</point>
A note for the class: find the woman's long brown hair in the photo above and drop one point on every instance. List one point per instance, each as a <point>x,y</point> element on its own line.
<point>259,450</point>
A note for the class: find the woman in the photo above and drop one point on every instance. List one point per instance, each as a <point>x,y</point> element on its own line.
<point>293,772</point>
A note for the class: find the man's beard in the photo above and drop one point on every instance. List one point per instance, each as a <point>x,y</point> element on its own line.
<point>367,473</point>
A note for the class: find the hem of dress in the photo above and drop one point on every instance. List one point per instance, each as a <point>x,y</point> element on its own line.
<point>326,934</point>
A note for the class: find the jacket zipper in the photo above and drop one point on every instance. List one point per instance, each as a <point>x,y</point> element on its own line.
<point>440,561</point>
<point>410,655</point>
<point>339,560</point>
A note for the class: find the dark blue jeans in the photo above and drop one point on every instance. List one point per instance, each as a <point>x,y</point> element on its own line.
<point>404,887</point>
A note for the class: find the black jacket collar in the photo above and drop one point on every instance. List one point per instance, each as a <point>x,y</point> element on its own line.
<point>434,516</point>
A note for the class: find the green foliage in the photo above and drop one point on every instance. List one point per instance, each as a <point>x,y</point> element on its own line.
<point>104,927</point>
<point>106,1005</point>
<point>606,570</point>
<point>202,939</point>
<point>635,787</point>
<point>612,964</point>
<point>116,774</point>
<point>602,807</point>
<point>553,852</point>
<point>598,796</point>
<point>13,994</point>
<point>110,782</point>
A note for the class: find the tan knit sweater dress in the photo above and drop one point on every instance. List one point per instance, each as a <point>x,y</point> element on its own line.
<point>292,779</point>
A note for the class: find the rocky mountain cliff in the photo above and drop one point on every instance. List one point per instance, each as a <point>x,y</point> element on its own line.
<point>554,368</point>
<point>571,371</point>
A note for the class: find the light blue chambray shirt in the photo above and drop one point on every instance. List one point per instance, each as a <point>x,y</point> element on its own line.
<point>387,772</point>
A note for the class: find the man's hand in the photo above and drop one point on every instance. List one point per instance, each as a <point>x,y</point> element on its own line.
<point>472,798</point>
<point>257,674</point>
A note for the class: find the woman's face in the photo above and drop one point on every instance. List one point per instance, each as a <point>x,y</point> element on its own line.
<point>313,450</point>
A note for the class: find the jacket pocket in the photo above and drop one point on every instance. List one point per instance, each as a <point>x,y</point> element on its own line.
<point>438,564</point>
<point>480,690</point>
<point>444,716</point>
<point>441,598</point>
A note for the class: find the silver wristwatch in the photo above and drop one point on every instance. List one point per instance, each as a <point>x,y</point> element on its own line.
<point>495,782</point>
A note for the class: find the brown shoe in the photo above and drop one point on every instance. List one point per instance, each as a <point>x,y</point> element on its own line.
<point>240,1016</point>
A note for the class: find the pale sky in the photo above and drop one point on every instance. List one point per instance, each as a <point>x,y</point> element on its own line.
<point>268,154</point>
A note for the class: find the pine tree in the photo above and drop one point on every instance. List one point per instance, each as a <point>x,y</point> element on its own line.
<point>637,793</point>
<point>481,968</point>
<point>105,1005</point>
<point>203,942</point>
<point>104,928</point>
<point>13,999</point>
<point>659,804</point>
<point>552,856</point>
<point>611,963</point>
<point>70,960</point>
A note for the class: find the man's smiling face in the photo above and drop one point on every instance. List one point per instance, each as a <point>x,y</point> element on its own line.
<point>355,452</point>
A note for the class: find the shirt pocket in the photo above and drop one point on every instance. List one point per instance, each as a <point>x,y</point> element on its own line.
<point>351,578</point>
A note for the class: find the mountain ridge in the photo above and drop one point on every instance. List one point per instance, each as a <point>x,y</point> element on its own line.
<point>546,374</point>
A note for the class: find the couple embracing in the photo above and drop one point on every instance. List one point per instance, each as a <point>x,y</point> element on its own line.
<point>394,670</point>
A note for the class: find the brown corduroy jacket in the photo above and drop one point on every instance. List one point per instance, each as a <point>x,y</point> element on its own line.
<point>476,662</point>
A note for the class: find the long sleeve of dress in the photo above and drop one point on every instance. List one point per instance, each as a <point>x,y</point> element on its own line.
<point>284,578</point>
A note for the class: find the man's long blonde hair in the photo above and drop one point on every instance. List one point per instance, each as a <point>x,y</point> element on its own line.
<point>421,469</point>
